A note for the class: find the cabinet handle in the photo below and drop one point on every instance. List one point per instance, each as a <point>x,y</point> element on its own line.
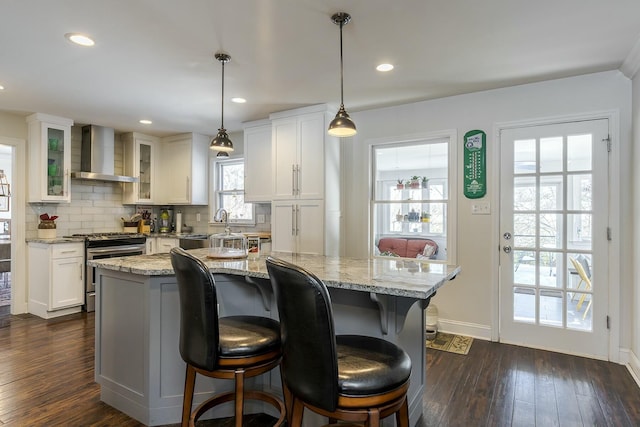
<point>297,180</point>
<point>293,220</point>
<point>293,179</point>
<point>68,252</point>
<point>65,187</point>
<point>297,219</point>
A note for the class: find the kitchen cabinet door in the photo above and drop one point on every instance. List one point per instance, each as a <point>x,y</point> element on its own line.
<point>298,226</point>
<point>184,174</point>
<point>258,184</point>
<point>165,244</point>
<point>67,289</point>
<point>298,156</point>
<point>140,162</point>
<point>49,158</point>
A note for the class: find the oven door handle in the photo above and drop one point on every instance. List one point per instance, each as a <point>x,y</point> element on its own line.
<point>114,250</point>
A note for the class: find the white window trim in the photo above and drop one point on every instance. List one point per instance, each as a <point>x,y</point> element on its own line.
<point>214,200</point>
<point>452,135</point>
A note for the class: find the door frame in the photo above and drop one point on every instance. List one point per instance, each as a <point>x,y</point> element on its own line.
<point>19,291</point>
<point>614,248</point>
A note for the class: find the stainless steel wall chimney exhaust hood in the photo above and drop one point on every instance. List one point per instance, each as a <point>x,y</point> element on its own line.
<point>97,156</point>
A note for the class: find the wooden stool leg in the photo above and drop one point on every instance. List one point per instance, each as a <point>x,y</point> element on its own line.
<point>239,401</point>
<point>296,413</point>
<point>187,401</point>
<point>402,416</point>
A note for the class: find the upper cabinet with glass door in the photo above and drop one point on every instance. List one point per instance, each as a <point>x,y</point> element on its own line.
<point>139,162</point>
<point>49,158</point>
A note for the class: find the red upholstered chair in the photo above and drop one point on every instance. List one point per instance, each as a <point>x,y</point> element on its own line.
<point>396,246</point>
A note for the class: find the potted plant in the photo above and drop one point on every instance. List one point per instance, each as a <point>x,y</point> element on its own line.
<point>425,181</point>
<point>400,185</point>
<point>426,217</point>
<point>47,226</point>
<point>415,181</point>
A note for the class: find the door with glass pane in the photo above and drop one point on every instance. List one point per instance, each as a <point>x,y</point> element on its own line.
<point>553,237</point>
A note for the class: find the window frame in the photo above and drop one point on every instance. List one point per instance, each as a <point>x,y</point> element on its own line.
<point>217,193</point>
<point>449,248</point>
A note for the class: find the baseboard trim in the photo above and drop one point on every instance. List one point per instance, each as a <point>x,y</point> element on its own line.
<point>634,367</point>
<point>474,330</point>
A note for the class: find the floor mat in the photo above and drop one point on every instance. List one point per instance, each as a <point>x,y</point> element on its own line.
<point>458,344</point>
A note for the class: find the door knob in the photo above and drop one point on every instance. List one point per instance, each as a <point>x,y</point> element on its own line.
<point>506,249</point>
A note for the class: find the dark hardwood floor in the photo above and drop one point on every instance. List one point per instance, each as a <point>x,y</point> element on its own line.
<point>46,379</point>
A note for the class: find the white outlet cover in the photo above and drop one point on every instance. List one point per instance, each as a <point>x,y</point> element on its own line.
<point>481,208</point>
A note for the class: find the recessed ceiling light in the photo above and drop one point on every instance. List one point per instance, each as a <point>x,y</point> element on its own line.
<point>145,121</point>
<point>80,39</point>
<point>384,67</point>
<point>238,100</point>
<point>1,87</point>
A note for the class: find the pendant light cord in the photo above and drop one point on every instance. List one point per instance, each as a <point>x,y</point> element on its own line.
<point>341,68</point>
<point>222,98</point>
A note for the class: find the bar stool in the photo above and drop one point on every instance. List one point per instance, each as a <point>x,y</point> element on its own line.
<point>350,378</point>
<point>234,347</point>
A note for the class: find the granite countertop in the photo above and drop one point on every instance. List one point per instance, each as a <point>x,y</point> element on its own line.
<point>391,277</point>
<point>56,240</point>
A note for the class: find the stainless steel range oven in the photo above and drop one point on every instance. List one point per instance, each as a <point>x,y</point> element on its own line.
<point>107,245</point>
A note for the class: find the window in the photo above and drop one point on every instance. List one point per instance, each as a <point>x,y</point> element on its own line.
<point>411,198</point>
<point>229,191</point>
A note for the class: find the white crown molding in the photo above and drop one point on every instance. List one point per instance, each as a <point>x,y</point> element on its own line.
<point>631,64</point>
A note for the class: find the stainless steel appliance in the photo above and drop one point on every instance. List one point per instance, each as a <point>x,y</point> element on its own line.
<point>107,245</point>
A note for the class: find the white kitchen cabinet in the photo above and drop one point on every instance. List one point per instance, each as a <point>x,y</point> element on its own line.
<point>164,244</point>
<point>258,184</point>
<point>298,154</point>
<point>49,152</point>
<point>140,162</point>
<point>298,226</point>
<point>56,278</point>
<point>306,209</point>
<point>150,246</point>
<point>184,170</point>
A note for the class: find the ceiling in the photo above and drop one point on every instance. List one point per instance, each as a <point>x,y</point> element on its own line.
<point>153,59</point>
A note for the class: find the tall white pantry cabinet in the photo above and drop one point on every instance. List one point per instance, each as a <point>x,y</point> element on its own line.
<point>306,201</point>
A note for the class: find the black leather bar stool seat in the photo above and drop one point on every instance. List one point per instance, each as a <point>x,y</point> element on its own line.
<point>235,347</point>
<point>351,378</point>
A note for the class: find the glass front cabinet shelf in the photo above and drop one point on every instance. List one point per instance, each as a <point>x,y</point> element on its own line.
<point>49,158</point>
<point>139,160</point>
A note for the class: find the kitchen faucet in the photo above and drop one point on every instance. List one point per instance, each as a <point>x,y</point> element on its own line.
<point>222,216</point>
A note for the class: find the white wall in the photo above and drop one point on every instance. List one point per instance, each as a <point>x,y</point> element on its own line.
<point>635,337</point>
<point>468,301</point>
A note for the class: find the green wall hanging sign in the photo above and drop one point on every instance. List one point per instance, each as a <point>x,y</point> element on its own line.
<point>475,174</point>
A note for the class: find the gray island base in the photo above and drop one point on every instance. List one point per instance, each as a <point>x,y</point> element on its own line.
<point>137,362</point>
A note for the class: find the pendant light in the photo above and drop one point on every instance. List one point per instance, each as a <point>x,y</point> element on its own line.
<point>342,126</point>
<point>222,142</point>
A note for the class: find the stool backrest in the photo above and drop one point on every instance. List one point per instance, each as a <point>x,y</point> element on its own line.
<point>199,331</point>
<point>309,361</point>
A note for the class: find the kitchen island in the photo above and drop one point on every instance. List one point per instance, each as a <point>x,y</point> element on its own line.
<point>137,362</point>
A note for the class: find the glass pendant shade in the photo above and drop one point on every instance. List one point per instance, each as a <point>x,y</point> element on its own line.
<point>221,142</point>
<point>342,126</point>
<point>222,154</point>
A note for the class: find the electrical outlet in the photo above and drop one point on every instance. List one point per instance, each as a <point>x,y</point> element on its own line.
<point>198,217</point>
<point>481,208</point>
<point>261,218</point>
